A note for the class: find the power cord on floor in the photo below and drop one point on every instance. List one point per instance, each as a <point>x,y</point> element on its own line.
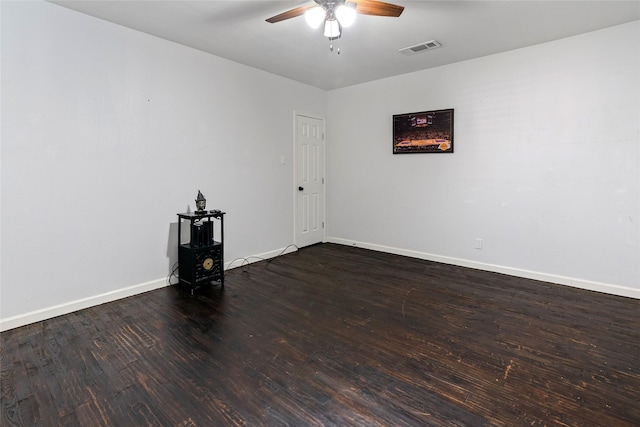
<point>174,273</point>
<point>245,265</point>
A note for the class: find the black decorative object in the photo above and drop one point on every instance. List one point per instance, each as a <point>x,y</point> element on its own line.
<point>201,260</point>
<point>201,203</point>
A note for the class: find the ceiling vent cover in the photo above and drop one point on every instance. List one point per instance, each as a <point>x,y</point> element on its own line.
<point>431,44</point>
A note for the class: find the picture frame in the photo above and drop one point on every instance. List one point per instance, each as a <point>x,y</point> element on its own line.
<point>423,132</point>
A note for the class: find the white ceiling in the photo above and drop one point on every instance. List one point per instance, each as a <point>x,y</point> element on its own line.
<point>237,30</point>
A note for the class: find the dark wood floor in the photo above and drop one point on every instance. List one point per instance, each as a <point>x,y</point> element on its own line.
<point>333,335</point>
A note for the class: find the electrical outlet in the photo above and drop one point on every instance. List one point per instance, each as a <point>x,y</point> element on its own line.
<point>479,244</point>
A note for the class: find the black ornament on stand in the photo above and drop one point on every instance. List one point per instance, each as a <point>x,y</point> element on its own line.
<point>201,203</point>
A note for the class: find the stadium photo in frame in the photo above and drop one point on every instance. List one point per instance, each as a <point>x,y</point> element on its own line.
<point>423,132</point>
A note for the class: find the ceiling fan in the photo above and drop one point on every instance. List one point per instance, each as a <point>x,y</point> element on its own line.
<point>336,14</point>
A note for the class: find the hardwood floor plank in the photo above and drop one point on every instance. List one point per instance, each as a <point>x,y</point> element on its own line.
<point>333,336</point>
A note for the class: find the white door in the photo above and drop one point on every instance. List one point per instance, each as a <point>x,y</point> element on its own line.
<point>309,182</point>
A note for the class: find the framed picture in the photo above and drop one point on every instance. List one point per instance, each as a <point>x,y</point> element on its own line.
<point>423,132</point>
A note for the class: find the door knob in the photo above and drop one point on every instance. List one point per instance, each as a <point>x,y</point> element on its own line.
<point>300,188</point>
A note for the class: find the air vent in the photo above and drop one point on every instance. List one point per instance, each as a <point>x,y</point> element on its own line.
<point>431,44</point>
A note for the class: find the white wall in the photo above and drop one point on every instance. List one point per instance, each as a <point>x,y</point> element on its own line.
<point>107,133</point>
<point>545,170</point>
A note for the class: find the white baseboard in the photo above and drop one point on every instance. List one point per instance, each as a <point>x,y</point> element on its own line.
<point>71,306</point>
<point>527,274</point>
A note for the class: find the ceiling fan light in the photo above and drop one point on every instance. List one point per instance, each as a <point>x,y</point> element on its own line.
<point>346,15</point>
<point>315,16</point>
<point>331,29</point>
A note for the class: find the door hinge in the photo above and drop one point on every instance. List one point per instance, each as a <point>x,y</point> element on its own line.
<point>322,224</point>
<point>323,179</point>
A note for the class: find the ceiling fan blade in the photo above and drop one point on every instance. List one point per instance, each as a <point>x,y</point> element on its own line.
<point>290,14</point>
<point>377,8</point>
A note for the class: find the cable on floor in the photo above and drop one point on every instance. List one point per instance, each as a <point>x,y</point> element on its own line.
<point>245,265</point>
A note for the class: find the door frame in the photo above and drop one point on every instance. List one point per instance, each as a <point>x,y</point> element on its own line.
<point>296,114</point>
